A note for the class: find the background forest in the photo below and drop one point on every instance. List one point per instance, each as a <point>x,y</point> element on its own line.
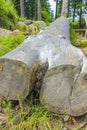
<point>41,10</point>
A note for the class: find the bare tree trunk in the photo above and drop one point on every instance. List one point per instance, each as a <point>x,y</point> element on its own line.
<point>56,9</point>
<point>74,13</point>
<point>65,6</point>
<point>80,15</point>
<point>86,26</point>
<point>22,8</point>
<point>35,9</point>
<point>38,9</point>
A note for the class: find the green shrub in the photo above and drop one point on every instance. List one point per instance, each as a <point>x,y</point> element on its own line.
<point>75,24</point>
<point>77,40</point>
<point>28,116</point>
<point>83,43</point>
<point>9,43</point>
<point>74,37</point>
<point>8,15</point>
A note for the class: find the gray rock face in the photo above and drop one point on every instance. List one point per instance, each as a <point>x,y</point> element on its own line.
<point>64,88</point>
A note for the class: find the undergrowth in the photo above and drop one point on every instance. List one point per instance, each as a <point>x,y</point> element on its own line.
<point>29,117</point>
<point>8,15</point>
<point>77,39</point>
<point>26,115</point>
<point>8,43</point>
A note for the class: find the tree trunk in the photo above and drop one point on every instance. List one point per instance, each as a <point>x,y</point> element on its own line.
<point>16,66</point>
<point>86,26</point>
<point>74,10</point>
<point>65,7</point>
<point>39,10</point>
<point>80,15</point>
<point>56,9</point>
<point>35,9</point>
<point>48,60</point>
<point>22,8</point>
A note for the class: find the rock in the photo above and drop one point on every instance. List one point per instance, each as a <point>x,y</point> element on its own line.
<point>28,22</point>
<point>64,128</point>
<point>35,27</point>
<point>40,24</point>
<point>15,32</point>
<point>21,26</point>
<point>32,29</point>
<point>5,32</point>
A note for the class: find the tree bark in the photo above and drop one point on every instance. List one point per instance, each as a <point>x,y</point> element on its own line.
<point>22,8</point>
<point>56,9</point>
<point>80,15</point>
<point>16,66</point>
<point>39,10</point>
<point>86,26</point>
<point>65,6</point>
<point>74,10</point>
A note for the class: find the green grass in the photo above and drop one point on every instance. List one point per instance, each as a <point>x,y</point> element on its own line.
<point>26,116</point>
<point>10,42</point>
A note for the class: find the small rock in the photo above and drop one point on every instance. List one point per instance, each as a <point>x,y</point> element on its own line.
<point>5,32</point>
<point>21,26</point>
<point>28,22</point>
<point>64,128</point>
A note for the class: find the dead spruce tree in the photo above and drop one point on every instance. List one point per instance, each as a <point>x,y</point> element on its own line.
<point>48,60</point>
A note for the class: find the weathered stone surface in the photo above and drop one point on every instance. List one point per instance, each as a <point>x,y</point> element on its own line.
<point>21,26</point>
<point>15,32</point>
<point>40,24</point>
<point>5,32</point>
<point>28,22</point>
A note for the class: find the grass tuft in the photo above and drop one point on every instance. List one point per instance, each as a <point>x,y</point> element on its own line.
<point>10,42</point>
